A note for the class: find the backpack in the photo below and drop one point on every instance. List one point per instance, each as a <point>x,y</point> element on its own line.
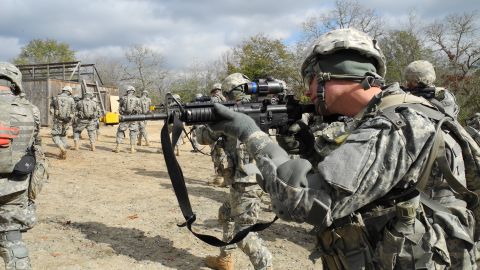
<point>470,152</point>
<point>63,107</point>
<point>13,118</point>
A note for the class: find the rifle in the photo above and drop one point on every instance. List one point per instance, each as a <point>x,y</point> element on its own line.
<point>267,116</point>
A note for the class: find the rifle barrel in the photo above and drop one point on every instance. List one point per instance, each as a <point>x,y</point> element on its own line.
<point>143,117</point>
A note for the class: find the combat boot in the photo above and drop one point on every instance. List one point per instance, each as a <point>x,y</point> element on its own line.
<point>75,145</point>
<point>218,181</point>
<point>92,147</point>
<point>117,148</point>
<point>63,153</point>
<point>132,149</point>
<point>220,262</point>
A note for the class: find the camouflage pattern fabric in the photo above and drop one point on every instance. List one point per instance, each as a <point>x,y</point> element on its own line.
<point>374,159</point>
<point>145,103</point>
<point>242,206</point>
<point>61,124</point>
<point>237,213</point>
<point>132,127</point>
<point>86,116</point>
<point>129,104</point>
<point>17,192</point>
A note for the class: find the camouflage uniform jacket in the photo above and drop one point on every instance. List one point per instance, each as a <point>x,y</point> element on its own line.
<point>129,104</point>
<point>145,103</point>
<point>239,160</point>
<point>374,160</point>
<point>87,109</point>
<point>63,106</point>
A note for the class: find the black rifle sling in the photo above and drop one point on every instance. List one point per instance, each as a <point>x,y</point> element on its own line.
<point>180,189</point>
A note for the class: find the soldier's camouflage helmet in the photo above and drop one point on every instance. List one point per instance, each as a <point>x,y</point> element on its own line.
<point>234,80</point>
<point>176,96</point>
<point>145,92</point>
<point>67,88</point>
<point>344,39</point>
<point>420,72</point>
<point>12,73</point>
<point>216,86</point>
<point>130,88</point>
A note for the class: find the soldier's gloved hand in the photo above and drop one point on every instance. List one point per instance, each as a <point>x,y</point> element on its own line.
<point>232,123</point>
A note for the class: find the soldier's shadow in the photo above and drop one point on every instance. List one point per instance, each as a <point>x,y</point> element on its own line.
<point>135,244</point>
<point>195,187</point>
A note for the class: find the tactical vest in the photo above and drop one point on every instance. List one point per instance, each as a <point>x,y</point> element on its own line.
<point>369,234</point>
<point>129,104</point>
<point>17,118</point>
<point>63,107</point>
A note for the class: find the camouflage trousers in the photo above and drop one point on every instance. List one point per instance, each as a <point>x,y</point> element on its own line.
<point>17,211</point>
<point>59,132</point>
<point>89,124</point>
<point>142,130</point>
<point>122,127</point>
<point>219,159</point>
<point>238,212</point>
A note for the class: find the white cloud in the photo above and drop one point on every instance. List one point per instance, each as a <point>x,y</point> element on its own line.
<point>181,30</point>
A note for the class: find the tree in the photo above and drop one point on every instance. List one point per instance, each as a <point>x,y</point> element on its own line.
<point>260,56</point>
<point>144,69</point>
<point>400,48</point>
<point>110,70</point>
<point>455,39</point>
<point>40,51</point>
<point>346,14</point>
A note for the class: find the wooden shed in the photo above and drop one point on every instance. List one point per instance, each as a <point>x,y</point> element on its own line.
<point>43,81</point>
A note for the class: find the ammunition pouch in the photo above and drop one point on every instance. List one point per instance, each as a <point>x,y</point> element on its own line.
<point>346,245</point>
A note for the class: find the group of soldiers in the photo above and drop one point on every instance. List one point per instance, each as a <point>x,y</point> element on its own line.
<point>80,113</point>
<point>389,178</point>
<point>131,104</point>
<point>83,113</point>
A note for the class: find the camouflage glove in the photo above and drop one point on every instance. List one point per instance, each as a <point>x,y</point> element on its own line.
<point>233,124</point>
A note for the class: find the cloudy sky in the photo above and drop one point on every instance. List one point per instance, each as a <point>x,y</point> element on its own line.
<point>184,31</point>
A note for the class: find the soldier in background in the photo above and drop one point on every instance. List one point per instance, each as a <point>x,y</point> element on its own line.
<point>219,157</point>
<point>145,103</point>
<point>23,167</point>
<point>420,80</point>
<point>170,129</point>
<point>87,112</point>
<point>76,98</point>
<point>242,207</point>
<point>63,109</point>
<point>129,104</point>
<point>385,198</point>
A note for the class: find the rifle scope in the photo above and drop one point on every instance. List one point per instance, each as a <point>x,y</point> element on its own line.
<point>263,87</point>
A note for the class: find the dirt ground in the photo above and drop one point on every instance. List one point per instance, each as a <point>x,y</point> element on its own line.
<point>102,210</point>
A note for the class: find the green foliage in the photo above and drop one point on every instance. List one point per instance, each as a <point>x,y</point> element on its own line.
<point>260,56</point>
<point>40,51</point>
<point>400,49</point>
